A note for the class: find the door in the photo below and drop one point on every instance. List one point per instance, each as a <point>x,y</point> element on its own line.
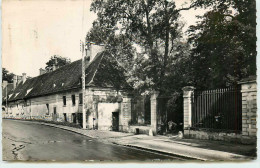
<point>115,121</point>
<point>79,118</point>
<point>65,117</point>
<point>74,118</point>
<point>54,117</point>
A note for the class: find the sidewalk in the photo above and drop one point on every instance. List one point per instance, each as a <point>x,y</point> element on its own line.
<point>188,148</point>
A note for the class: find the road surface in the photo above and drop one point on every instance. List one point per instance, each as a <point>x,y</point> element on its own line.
<point>24,140</point>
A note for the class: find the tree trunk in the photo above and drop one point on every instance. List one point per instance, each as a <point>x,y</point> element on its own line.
<point>166,49</point>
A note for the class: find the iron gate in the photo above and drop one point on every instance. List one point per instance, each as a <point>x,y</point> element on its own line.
<point>170,110</point>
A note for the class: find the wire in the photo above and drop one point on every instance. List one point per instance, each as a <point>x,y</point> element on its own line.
<point>83,18</point>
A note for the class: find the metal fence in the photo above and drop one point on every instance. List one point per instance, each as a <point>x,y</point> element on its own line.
<point>219,109</point>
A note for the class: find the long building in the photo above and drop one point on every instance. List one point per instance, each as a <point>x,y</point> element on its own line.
<point>57,95</point>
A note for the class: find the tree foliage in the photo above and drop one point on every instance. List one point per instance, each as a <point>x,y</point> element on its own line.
<point>151,25</point>
<point>224,43</point>
<point>145,37</point>
<point>118,45</point>
<point>57,61</point>
<point>7,76</point>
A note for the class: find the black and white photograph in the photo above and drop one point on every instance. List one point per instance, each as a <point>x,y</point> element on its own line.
<point>129,81</point>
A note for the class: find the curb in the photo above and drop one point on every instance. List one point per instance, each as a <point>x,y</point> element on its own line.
<point>184,157</point>
<point>187,157</point>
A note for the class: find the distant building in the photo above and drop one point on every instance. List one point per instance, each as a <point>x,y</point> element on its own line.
<point>6,89</point>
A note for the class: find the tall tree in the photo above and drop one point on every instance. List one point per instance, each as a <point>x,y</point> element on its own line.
<point>7,76</point>
<point>57,61</point>
<point>149,24</point>
<point>224,43</point>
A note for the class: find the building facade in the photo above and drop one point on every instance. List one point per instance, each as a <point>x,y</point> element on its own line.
<point>57,95</point>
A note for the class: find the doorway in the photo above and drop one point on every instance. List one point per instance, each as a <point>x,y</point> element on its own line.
<point>115,121</point>
<point>65,117</point>
<point>79,118</point>
<point>54,117</point>
<point>74,118</point>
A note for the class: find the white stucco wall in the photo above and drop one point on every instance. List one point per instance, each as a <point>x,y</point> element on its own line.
<point>39,108</point>
<point>35,108</point>
<point>100,103</point>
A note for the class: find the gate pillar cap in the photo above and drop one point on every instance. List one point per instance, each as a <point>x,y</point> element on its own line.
<point>188,88</point>
<point>249,79</point>
<point>154,94</point>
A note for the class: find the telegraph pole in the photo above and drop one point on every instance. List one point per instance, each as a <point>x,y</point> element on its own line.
<point>6,98</point>
<point>83,86</point>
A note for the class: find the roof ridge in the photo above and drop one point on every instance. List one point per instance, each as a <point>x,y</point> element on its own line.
<point>62,67</point>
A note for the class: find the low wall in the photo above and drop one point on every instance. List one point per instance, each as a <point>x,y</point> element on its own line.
<point>222,136</point>
<point>142,129</point>
<point>218,136</point>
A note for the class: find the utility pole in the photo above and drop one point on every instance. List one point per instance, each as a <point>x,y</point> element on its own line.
<point>6,99</point>
<point>83,86</point>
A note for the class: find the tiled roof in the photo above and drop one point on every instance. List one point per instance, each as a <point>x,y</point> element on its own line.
<point>99,72</point>
<point>109,74</point>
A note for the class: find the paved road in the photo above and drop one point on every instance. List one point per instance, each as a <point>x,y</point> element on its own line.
<point>31,141</point>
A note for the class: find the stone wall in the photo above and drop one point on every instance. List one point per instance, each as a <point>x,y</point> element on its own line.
<point>249,110</point>
<point>187,97</point>
<point>142,129</point>
<point>222,136</point>
<point>154,96</point>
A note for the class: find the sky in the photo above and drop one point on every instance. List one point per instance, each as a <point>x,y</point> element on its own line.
<point>35,30</point>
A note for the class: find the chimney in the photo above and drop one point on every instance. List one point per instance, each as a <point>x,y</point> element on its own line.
<point>54,66</point>
<point>19,79</point>
<point>14,81</point>
<point>24,77</point>
<point>42,71</point>
<point>4,84</point>
<point>93,50</point>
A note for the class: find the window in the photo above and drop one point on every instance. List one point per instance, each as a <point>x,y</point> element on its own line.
<point>73,100</point>
<point>64,100</point>
<point>48,112</point>
<point>80,98</point>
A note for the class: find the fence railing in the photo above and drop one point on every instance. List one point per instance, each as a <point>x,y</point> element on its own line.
<point>219,109</point>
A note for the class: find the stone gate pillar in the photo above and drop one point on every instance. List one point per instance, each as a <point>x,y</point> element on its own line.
<point>249,109</point>
<point>125,114</point>
<point>153,99</point>
<point>187,102</point>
